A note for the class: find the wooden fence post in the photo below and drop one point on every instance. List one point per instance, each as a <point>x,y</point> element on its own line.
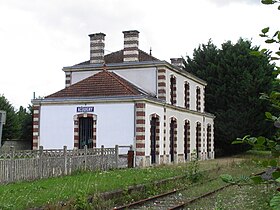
<point>130,157</point>
<point>102,158</point>
<point>85,156</point>
<point>117,155</point>
<point>12,164</point>
<point>65,159</point>
<point>40,168</point>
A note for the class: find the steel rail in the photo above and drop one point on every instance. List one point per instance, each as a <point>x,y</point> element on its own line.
<point>179,204</point>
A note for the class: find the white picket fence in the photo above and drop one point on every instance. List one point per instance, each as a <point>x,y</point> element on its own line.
<point>36,164</point>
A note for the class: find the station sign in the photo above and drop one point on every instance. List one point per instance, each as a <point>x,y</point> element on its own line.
<point>85,109</point>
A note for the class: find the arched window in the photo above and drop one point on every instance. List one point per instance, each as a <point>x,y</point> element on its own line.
<point>208,140</point>
<point>173,90</point>
<point>198,99</point>
<point>187,95</point>
<point>173,139</point>
<point>198,139</point>
<point>154,137</point>
<point>187,138</point>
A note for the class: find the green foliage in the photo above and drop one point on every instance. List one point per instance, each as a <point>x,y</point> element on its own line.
<point>235,78</point>
<point>18,123</point>
<point>275,201</point>
<point>226,178</point>
<point>194,174</point>
<point>11,128</point>
<point>262,143</point>
<point>81,201</point>
<point>25,121</point>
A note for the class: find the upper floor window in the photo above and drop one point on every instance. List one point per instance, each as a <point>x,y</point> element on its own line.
<point>187,95</point>
<point>173,90</point>
<point>198,99</point>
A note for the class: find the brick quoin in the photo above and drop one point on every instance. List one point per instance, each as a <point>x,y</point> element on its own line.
<point>140,113</point>
<point>140,137</point>
<point>140,145</point>
<point>142,122</point>
<point>140,129</point>
<point>161,84</point>
<point>161,77</point>
<point>161,91</point>
<point>161,71</point>
<point>140,105</point>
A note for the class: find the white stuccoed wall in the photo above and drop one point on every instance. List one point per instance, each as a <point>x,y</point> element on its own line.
<point>180,88</point>
<point>81,75</point>
<point>145,78</point>
<point>181,117</point>
<point>115,125</point>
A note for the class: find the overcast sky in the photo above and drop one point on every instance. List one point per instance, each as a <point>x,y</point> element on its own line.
<point>39,37</point>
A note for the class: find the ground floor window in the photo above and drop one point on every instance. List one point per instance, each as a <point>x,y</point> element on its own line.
<point>154,138</point>
<point>173,139</point>
<point>208,140</point>
<point>198,139</point>
<point>187,139</point>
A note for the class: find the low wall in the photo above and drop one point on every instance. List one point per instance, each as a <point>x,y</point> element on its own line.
<point>16,144</point>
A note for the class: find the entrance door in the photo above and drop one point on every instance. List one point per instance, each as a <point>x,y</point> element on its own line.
<point>85,132</point>
<point>172,138</point>
<point>153,140</point>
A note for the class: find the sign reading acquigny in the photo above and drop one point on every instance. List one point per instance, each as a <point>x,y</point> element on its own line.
<point>85,109</point>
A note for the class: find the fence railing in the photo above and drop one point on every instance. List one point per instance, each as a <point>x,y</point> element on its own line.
<point>36,164</point>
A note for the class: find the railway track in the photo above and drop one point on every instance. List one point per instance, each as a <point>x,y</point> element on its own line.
<point>176,199</point>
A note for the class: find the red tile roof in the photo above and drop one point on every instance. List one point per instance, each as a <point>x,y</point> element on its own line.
<point>117,57</point>
<point>104,83</point>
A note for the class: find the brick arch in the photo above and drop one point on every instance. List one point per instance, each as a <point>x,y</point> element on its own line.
<point>187,138</point>
<point>157,136</point>
<point>76,128</point>
<point>173,138</point>
<point>198,139</point>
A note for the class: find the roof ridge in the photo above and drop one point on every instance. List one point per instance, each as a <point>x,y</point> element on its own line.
<point>119,79</point>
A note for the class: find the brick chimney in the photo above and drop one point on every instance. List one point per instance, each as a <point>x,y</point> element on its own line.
<point>131,42</point>
<point>177,62</point>
<point>97,46</point>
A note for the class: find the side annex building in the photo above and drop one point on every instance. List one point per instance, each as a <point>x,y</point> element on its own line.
<point>127,97</point>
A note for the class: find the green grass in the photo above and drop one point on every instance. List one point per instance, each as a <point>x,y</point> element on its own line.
<point>41,192</point>
<point>249,197</point>
<point>76,187</point>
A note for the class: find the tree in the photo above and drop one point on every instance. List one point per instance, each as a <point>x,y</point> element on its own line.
<point>25,123</point>
<point>262,143</point>
<point>11,128</point>
<point>235,80</point>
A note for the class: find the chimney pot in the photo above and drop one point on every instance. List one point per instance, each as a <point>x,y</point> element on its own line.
<point>97,45</point>
<point>177,62</point>
<point>131,43</point>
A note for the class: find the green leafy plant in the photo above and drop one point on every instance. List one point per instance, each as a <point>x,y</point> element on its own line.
<point>194,174</point>
<point>263,143</point>
<point>81,201</point>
